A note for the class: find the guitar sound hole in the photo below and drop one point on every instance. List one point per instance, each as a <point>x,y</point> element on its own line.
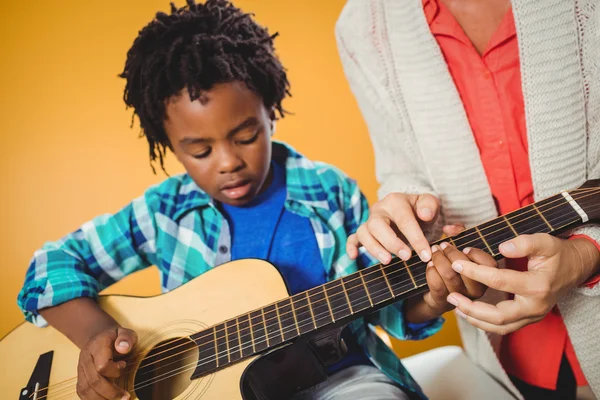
<point>165,372</point>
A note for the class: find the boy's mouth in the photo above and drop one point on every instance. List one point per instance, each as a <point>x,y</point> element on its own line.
<point>236,189</point>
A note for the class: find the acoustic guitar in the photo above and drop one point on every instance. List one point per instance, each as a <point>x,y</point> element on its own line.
<point>234,332</point>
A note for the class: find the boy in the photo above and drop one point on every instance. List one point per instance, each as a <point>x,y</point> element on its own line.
<point>205,83</point>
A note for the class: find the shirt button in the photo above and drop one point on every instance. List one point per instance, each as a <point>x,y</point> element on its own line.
<point>223,249</point>
<point>500,144</point>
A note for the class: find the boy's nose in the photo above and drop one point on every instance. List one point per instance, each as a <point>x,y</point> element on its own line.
<point>230,162</point>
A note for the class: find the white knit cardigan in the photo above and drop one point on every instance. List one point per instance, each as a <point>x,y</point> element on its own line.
<point>423,141</point>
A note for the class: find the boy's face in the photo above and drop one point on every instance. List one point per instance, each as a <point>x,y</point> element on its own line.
<point>223,140</point>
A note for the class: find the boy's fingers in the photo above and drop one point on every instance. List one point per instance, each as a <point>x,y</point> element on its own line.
<point>98,386</point>
<point>437,289</point>
<point>126,339</point>
<point>105,365</point>
<point>443,265</point>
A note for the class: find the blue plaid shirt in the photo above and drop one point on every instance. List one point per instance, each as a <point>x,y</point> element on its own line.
<point>177,227</point>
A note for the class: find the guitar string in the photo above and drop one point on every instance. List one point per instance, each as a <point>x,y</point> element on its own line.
<point>579,198</point>
<point>396,284</point>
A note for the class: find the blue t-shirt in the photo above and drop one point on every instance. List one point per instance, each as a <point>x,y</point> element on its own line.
<point>265,229</point>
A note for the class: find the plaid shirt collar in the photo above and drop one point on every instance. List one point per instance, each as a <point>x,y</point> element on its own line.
<point>299,169</point>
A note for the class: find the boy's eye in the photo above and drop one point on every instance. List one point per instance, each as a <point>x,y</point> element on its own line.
<point>251,139</point>
<point>203,154</point>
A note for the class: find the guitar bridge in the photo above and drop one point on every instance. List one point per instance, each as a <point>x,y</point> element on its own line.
<point>37,387</point>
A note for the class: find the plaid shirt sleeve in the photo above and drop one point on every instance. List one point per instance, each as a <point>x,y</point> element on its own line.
<point>390,318</point>
<point>101,252</point>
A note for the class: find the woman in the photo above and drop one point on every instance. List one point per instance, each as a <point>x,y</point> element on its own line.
<point>477,108</point>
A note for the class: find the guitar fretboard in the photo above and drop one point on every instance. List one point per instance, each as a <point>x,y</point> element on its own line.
<point>364,291</point>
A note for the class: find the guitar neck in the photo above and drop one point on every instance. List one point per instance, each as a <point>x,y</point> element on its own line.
<point>370,289</point>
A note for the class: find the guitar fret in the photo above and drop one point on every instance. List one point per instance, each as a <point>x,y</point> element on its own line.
<point>303,312</point>
<point>257,324</point>
<point>288,319</point>
<point>412,278</point>
<point>386,280</point>
<point>294,314</point>
<point>232,341</point>
<point>559,211</point>
<point>484,241</point>
<point>251,333</point>
<point>496,232</point>
<point>312,314</point>
<point>449,238</point>
<point>328,303</point>
<point>347,298</point>
<point>246,335</point>
<point>262,311</point>
<point>279,320</point>
<point>510,225</point>
<point>340,305</point>
<point>378,287</point>
<point>273,326</point>
<point>400,277</point>
<point>237,324</point>
<point>542,215</point>
<point>227,343</point>
<point>216,350</point>
<point>320,307</point>
<point>365,286</point>
<point>222,353</point>
<point>356,292</point>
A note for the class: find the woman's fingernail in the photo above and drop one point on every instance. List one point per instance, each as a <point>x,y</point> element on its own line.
<point>427,213</point>
<point>507,247</point>
<point>404,254</point>
<point>435,248</point>
<point>425,256</point>
<point>444,245</point>
<point>382,257</point>
<point>452,301</point>
<point>430,264</point>
<point>125,397</point>
<point>466,250</point>
<point>457,267</point>
<point>124,344</point>
<point>460,313</point>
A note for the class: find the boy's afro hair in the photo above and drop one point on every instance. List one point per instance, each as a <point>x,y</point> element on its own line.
<point>195,47</point>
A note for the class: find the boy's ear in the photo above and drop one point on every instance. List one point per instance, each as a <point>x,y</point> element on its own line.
<point>273,121</point>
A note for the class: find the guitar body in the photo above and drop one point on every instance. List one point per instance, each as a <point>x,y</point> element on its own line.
<point>199,304</point>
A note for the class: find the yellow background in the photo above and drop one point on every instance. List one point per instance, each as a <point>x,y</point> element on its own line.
<point>68,152</point>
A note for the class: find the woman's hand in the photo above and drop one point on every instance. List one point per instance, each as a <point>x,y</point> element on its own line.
<point>555,267</point>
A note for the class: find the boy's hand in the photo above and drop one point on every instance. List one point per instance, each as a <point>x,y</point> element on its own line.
<point>555,266</point>
<point>97,364</point>
<point>394,222</point>
<point>443,280</point>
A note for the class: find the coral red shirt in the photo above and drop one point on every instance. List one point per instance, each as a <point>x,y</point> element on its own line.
<point>490,88</point>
